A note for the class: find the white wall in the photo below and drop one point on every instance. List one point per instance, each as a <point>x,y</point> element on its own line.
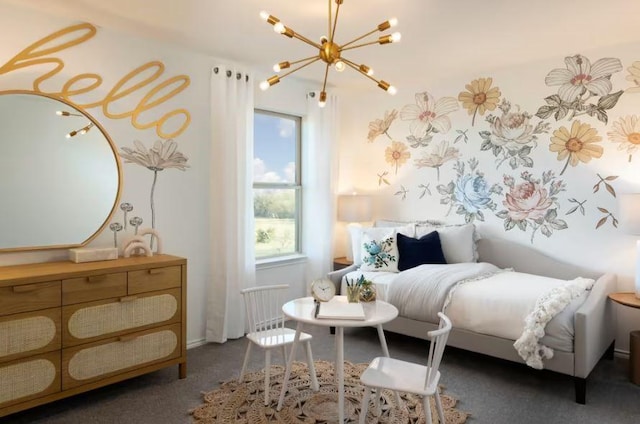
<point>607,249</point>
<point>181,198</point>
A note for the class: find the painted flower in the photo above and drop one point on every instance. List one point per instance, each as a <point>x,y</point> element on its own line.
<point>581,76</point>
<point>480,97</point>
<point>428,114</point>
<point>626,132</point>
<point>472,192</point>
<point>512,130</point>
<point>527,201</point>
<point>634,77</point>
<point>577,145</point>
<point>440,154</point>
<point>381,126</point>
<point>161,156</point>
<point>397,154</point>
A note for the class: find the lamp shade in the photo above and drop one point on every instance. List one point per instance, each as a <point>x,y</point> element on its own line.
<point>629,205</point>
<point>354,208</point>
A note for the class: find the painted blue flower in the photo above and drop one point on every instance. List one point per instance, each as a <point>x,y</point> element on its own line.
<point>472,193</point>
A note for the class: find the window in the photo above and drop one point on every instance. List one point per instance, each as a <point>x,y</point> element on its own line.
<point>276,184</point>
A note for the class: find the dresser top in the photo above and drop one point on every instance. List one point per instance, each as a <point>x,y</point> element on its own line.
<point>49,271</point>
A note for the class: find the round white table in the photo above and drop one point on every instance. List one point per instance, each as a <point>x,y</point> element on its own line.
<point>302,310</point>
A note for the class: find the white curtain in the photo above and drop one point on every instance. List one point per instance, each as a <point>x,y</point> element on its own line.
<point>231,201</point>
<point>320,157</point>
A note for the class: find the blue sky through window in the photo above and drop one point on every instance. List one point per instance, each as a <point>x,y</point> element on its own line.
<point>274,154</point>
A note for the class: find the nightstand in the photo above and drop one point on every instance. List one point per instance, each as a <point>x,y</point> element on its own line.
<point>339,263</point>
<point>630,299</point>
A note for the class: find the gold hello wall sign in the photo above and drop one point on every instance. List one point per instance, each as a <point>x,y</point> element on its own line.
<point>149,75</point>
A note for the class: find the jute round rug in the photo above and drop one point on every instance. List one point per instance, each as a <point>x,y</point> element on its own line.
<point>235,402</point>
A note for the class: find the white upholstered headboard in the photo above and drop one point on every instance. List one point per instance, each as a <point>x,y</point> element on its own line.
<point>507,254</point>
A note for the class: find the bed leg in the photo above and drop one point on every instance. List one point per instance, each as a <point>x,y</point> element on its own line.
<point>332,330</point>
<point>581,390</point>
<point>610,351</point>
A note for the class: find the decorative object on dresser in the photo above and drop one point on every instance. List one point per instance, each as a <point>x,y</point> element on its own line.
<point>630,219</point>
<point>73,327</point>
<point>92,254</point>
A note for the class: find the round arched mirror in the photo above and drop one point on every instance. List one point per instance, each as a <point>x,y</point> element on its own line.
<point>59,173</point>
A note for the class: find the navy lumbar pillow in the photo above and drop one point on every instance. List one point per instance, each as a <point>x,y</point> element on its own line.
<point>425,250</point>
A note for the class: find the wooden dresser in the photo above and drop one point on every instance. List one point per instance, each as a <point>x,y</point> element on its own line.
<point>66,328</point>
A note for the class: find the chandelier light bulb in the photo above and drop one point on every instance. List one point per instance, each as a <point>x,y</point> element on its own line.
<point>59,113</point>
<point>323,39</point>
<point>279,28</point>
<point>395,37</point>
<point>264,15</point>
<point>276,67</point>
<point>392,90</point>
<point>339,65</point>
<point>322,102</point>
<point>392,22</point>
<point>264,85</point>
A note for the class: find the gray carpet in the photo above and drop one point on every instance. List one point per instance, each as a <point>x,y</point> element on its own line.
<point>492,390</point>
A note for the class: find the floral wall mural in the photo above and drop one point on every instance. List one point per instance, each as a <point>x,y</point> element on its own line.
<point>522,160</point>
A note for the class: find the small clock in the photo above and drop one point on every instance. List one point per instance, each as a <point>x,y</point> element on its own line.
<point>323,290</point>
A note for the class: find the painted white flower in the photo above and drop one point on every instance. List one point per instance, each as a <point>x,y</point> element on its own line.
<point>581,76</point>
<point>512,130</point>
<point>427,113</point>
<point>381,126</point>
<point>634,77</point>
<point>161,156</point>
<point>626,132</point>
<point>440,154</point>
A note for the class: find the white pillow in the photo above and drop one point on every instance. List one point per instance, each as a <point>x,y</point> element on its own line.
<point>458,241</point>
<point>374,233</point>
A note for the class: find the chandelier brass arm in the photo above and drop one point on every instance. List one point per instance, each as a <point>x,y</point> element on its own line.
<point>329,51</point>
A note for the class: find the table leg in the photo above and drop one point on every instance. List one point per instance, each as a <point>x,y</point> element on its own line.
<point>385,351</point>
<point>340,371</point>
<point>287,371</point>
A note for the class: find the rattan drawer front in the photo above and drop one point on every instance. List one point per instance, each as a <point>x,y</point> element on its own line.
<point>94,287</point>
<point>29,333</point>
<point>29,297</point>
<point>87,363</point>
<point>89,322</point>
<point>155,279</point>
<point>29,378</point>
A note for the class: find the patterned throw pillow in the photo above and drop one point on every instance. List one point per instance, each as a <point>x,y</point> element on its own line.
<point>379,251</point>
<point>374,233</point>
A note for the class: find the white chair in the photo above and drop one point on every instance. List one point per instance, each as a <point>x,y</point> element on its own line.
<point>267,330</point>
<point>402,376</point>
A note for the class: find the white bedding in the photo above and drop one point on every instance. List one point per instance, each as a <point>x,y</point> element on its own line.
<point>497,305</point>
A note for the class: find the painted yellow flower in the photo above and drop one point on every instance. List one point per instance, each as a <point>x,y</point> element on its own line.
<point>381,126</point>
<point>397,154</point>
<point>634,77</point>
<point>626,132</point>
<point>577,145</point>
<point>480,97</point>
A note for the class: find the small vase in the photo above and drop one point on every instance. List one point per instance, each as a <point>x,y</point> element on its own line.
<point>353,294</point>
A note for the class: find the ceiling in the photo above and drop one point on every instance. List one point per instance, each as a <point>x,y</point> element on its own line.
<point>439,37</point>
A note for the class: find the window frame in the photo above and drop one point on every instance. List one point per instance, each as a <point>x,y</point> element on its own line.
<point>296,185</point>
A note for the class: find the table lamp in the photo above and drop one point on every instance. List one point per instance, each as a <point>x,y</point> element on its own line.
<point>353,208</point>
<point>629,205</point>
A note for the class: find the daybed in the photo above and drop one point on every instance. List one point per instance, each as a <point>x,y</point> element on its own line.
<point>593,320</point>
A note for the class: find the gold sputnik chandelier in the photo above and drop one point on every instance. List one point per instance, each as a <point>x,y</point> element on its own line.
<point>330,52</point>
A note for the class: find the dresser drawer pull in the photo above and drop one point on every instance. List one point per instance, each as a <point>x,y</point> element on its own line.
<point>25,289</point>
<point>154,271</point>
<point>127,338</point>
<point>128,298</point>
<point>96,278</point>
